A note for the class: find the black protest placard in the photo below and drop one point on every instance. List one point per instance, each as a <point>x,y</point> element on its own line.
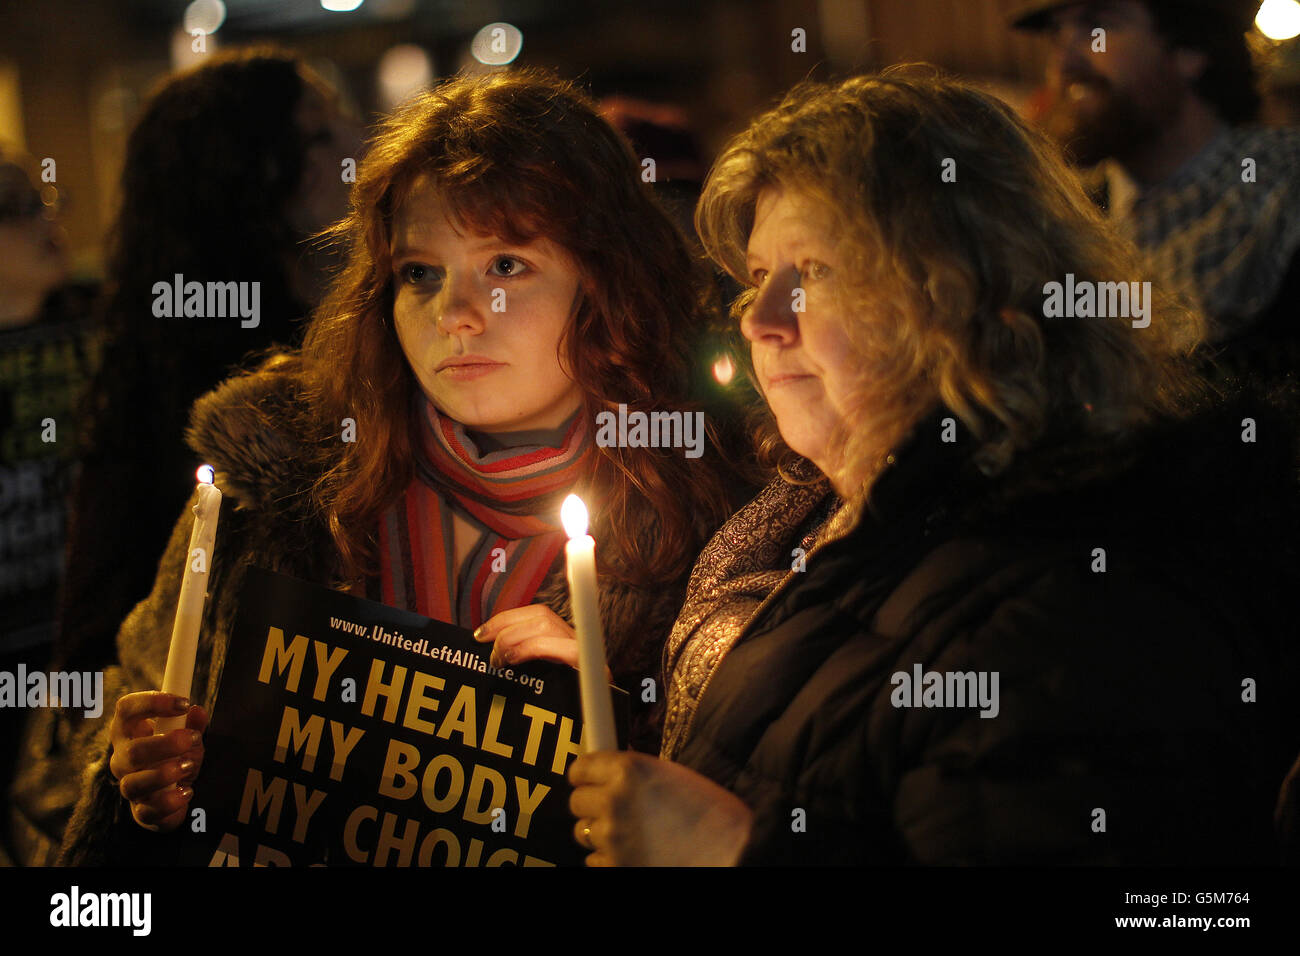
<point>348,733</point>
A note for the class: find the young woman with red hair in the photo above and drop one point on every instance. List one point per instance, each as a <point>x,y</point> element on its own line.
<point>509,277</point>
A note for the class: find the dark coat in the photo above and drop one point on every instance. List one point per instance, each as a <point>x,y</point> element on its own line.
<point>250,429</point>
<point>1119,691</point>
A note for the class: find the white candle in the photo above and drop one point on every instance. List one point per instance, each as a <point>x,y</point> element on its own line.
<point>580,557</point>
<point>179,674</point>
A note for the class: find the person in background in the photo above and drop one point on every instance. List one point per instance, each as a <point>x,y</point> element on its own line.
<point>48,350</point>
<point>662,132</point>
<point>230,168</point>
<point>1157,98</point>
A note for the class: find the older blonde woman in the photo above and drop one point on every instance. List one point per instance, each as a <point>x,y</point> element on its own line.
<point>1031,611</point>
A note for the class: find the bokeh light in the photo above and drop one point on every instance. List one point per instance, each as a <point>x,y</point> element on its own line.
<point>1279,19</point>
<point>403,70</point>
<point>205,15</point>
<point>497,44</point>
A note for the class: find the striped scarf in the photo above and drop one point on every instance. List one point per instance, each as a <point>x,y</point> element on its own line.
<point>511,498</point>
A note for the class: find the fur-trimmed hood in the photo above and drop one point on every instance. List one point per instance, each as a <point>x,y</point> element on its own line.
<point>250,429</point>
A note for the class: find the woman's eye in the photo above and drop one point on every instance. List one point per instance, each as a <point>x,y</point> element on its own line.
<point>814,270</point>
<point>415,274</point>
<point>760,276</point>
<point>507,266</point>
<point>421,276</point>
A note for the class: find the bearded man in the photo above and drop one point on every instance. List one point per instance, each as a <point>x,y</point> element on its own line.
<point>1156,99</point>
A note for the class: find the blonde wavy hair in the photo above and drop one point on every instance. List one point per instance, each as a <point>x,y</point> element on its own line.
<point>952,274</point>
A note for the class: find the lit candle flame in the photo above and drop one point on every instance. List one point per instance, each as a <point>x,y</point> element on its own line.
<point>205,474</point>
<point>573,515</point>
<point>723,370</point>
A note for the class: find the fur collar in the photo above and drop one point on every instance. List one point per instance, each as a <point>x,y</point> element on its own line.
<point>250,429</point>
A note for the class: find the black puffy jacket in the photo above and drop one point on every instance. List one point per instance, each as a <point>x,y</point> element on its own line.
<point>1122,731</point>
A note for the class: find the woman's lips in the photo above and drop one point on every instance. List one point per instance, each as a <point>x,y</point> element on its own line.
<point>469,371</point>
<point>779,380</point>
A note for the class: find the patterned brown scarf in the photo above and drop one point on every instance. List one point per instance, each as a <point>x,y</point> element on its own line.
<point>749,558</point>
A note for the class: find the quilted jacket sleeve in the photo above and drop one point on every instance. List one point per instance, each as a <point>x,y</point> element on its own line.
<point>1116,733</point>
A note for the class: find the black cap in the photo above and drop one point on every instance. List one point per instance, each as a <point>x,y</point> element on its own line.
<point>1236,13</point>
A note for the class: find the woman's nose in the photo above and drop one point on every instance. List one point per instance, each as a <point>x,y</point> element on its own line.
<point>461,305</point>
<point>771,316</point>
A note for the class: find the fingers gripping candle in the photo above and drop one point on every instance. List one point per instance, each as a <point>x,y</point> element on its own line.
<point>580,558</point>
<point>194,590</point>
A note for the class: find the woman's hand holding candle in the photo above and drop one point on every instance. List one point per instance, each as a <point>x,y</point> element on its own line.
<point>637,810</point>
<point>154,770</point>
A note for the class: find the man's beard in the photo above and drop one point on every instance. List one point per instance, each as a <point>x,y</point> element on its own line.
<point>1113,126</point>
